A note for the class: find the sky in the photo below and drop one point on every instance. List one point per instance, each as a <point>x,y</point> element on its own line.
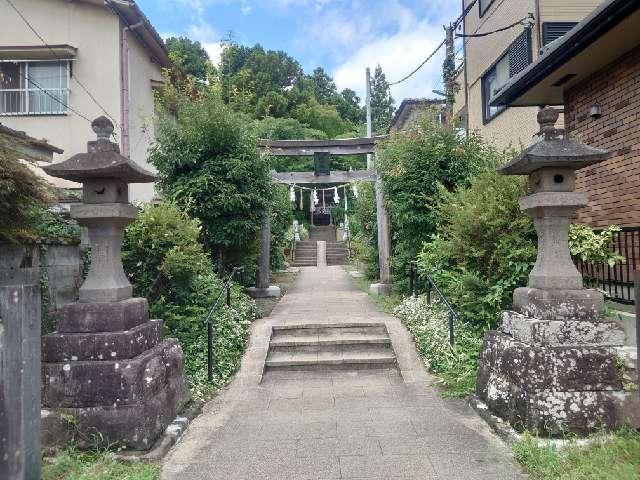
<point>342,36</point>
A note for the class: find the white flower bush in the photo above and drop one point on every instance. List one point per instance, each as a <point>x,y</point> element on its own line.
<point>455,366</point>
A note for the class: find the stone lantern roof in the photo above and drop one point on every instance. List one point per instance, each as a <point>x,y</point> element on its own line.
<point>102,160</point>
<point>554,150</point>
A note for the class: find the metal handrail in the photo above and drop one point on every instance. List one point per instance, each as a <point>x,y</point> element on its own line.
<point>226,287</point>
<point>429,283</point>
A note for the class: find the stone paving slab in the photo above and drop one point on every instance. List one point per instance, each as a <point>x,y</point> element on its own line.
<point>364,424</point>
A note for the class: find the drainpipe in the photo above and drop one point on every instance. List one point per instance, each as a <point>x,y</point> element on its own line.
<point>466,78</point>
<point>538,28</point>
<point>124,91</point>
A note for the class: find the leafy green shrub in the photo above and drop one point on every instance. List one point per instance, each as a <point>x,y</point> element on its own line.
<point>593,247</point>
<point>50,227</point>
<point>167,264</point>
<point>484,246</point>
<point>281,220</point>
<point>455,366</point>
<point>415,165</point>
<point>364,230</point>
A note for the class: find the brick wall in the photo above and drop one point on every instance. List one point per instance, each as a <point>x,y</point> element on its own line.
<point>614,185</point>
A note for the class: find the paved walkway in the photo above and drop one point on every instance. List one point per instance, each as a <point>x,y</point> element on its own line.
<point>335,425</point>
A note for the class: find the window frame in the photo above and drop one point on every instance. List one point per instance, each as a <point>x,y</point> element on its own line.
<point>486,118</point>
<point>487,6</point>
<point>64,66</point>
<point>483,84</point>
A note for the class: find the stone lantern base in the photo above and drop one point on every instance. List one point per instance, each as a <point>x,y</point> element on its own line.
<point>553,376</point>
<point>109,368</point>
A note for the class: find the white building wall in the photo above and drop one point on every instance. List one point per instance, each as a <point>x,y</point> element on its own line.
<point>141,111</point>
<point>95,31</point>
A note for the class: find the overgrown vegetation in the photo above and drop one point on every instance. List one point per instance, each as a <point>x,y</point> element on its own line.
<point>416,166</point>
<point>21,191</point>
<point>608,456</point>
<point>167,264</point>
<point>72,464</point>
<point>483,246</point>
<point>456,367</point>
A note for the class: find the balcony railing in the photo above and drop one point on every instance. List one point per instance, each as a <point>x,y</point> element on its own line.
<point>52,101</point>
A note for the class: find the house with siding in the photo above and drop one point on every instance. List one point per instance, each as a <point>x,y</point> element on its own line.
<point>412,109</point>
<point>68,62</point>
<point>491,59</point>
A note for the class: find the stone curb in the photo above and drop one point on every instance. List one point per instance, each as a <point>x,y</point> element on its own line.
<point>507,433</point>
<point>169,438</point>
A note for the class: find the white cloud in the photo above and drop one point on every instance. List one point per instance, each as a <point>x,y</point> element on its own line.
<point>214,49</point>
<point>411,35</point>
<point>246,8</point>
<point>398,54</point>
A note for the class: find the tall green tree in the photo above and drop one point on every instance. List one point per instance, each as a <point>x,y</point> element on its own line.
<point>189,57</point>
<point>209,166</point>
<point>349,107</point>
<point>382,103</point>
<point>324,86</point>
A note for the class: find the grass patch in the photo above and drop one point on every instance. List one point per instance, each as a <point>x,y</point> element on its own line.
<point>72,464</point>
<point>613,456</point>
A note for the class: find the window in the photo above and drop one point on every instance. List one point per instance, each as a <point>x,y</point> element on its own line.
<point>554,30</point>
<point>34,88</point>
<point>512,62</point>
<point>484,5</point>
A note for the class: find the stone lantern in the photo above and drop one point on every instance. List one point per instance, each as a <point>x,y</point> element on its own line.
<point>551,366</point>
<point>107,365</point>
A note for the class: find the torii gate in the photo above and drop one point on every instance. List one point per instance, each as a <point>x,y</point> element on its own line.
<point>321,149</point>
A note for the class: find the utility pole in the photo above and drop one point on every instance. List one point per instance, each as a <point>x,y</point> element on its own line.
<point>368,90</point>
<point>448,71</point>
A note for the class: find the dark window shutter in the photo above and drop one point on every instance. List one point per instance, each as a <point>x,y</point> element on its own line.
<point>554,30</point>
<point>520,54</point>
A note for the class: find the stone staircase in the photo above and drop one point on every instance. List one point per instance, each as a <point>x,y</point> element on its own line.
<point>331,346</point>
<point>306,254</point>
<point>336,253</point>
<point>324,234</point>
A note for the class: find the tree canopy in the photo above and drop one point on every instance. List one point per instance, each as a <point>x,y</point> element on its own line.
<point>189,57</point>
<point>382,103</point>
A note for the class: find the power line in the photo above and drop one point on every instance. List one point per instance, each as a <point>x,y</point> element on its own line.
<point>421,65</point>
<point>455,25</point>
<point>485,34</point>
<point>75,78</point>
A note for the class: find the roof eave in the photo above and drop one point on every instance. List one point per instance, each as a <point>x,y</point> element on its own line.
<point>151,39</point>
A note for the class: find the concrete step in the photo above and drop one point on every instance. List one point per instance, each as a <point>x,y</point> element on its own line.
<point>305,264</point>
<point>329,329</point>
<point>329,346</point>
<point>342,339</point>
<point>320,360</point>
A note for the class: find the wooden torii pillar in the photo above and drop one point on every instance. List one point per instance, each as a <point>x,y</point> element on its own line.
<point>348,146</point>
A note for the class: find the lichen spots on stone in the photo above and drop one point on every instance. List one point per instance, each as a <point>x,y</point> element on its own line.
<point>66,367</point>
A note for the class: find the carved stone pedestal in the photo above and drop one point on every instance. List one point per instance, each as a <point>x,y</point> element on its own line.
<point>110,369</point>
<point>552,376</point>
